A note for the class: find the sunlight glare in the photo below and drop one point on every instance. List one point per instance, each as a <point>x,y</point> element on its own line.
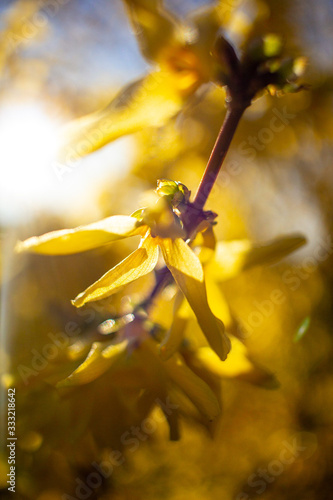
<point>28,145</point>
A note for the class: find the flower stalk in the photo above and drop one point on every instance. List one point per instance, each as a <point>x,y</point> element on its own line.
<point>170,223</point>
<point>218,155</point>
<point>194,211</point>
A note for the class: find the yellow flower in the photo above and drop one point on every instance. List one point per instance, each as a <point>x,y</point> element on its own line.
<point>138,350</point>
<point>133,358</point>
<point>182,63</point>
<point>161,229</point>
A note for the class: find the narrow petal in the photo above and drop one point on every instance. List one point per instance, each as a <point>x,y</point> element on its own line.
<point>238,365</point>
<point>193,386</point>
<point>147,102</point>
<point>137,264</point>
<point>185,405</point>
<point>233,257</point>
<point>154,27</point>
<point>69,241</point>
<point>100,358</point>
<point>175,335</point>
<point>188,274</point>
<point>173,423</point>
<point>204,245</point>
<point>217,301</point>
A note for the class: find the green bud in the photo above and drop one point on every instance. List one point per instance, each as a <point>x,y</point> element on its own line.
<point>138,214</point>
<point>261,49</point>
<point>272,45</point>
<point>184,191</point>
<point>227,59</point>
<point>174,191</point>
<point>166,187</point>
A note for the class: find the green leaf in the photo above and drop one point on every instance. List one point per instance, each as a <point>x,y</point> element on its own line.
<point>140,262</point>
<point>69,241</point>
<point>303,328</point>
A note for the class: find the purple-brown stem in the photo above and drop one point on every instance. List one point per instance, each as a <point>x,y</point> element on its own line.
<point>194,213</point>
<point>217,156</point>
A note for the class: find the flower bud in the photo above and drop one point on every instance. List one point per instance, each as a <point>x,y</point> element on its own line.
<point>226,55</point>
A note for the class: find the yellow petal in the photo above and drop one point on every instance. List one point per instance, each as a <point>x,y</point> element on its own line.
<point>100,358</point>
<point>69,241</point>
<point>173,422</point>
<point>137,264</point>
<point>238,365</point>
<point>237,362</point>
<point>204,244</point>
<point>153,26</point>
<point>148,102</point>
<point>188,274</point>
<point>185,405</point>
<point>217,302</point>
<point>174,337</point>
<point>17,21</point>
<point>193,386</point>
<point>233,257</point>
<point>162,220</point>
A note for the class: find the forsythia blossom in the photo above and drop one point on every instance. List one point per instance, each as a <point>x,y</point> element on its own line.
<point>161,228</point>
<point>167,364</point>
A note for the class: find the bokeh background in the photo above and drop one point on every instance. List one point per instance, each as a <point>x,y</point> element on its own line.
<point>72,62</point>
